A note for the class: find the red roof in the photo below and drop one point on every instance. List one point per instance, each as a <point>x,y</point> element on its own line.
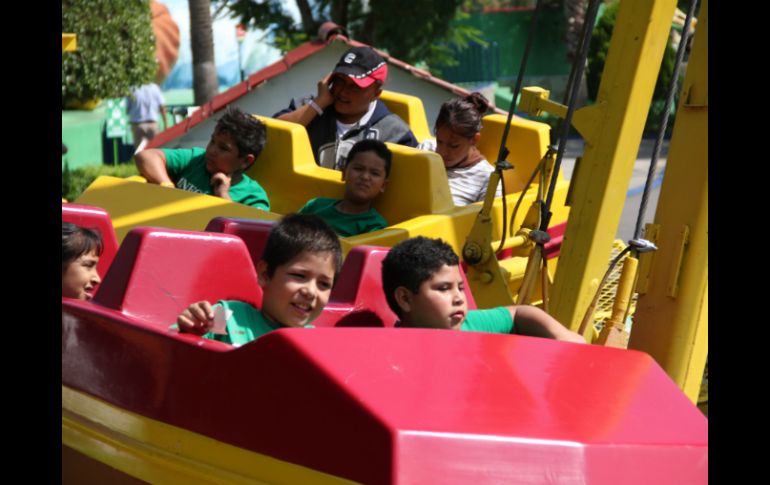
<point>292,57</point>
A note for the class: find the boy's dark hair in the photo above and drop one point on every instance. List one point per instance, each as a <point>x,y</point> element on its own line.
<point>77,241</point>
<point>375,146</point>
<point>463,115</point>
<point>411,262</point>
<point>301,232</point>
<point>249,133</point>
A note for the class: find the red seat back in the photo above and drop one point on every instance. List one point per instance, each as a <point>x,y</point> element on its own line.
<point>94,218</point>
<point>358,299</point>
<point>157,273</point>
<point>254,232</point>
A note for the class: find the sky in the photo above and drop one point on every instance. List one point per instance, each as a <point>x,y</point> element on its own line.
<point>256,53</point>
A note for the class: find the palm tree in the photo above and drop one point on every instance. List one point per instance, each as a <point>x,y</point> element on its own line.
<point>205,82</point>
<point>574,15</point>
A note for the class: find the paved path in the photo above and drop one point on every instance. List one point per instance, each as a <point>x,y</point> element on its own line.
<point>634,195</point>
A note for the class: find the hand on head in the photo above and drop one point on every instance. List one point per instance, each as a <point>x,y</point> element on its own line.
<point>324,97</point>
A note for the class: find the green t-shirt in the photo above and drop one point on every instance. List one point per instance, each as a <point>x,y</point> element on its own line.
<point>245,324</point>
<point>344,224</point>
<point>187,167</point>
<point>492,320</point>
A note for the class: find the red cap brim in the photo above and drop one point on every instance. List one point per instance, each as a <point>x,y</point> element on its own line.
<point>379,74</point>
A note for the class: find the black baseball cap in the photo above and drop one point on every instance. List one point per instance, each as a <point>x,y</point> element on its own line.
<point>363,65</point>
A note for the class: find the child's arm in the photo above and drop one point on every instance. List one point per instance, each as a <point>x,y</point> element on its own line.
<point>152,165</point>
<point>534,322</point>
<point>196,319</point>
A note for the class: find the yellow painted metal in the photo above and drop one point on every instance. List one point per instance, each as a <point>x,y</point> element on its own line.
<point>532,222</point>
<point>411,110</point>
<point>131,204</point>
<point>416,202</point>
<point>286,169</point>
<point>532,274</point>
<point>488,284</point>
<point>671,320</point>
<point>527,142</point>
<point>157,452</point>
<point>614,334</point>
<point>612,131</point>
<point>534,101</point>
<point>69,42</point>
<point>651,232</point>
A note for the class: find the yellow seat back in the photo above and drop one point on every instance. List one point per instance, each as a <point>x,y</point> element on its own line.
<point>411,110</point>
<point>527,143</point>
<point>417,186</point>
<point>287,170</point>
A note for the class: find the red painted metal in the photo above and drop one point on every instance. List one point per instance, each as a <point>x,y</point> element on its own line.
<point>157,273</point>
<point>254,232</point>
<point>553,247</point>
<point>94,218</point>
<point>401,405</point>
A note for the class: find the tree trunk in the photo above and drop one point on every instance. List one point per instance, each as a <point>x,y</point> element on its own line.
<point>575,16</point>
<point>340,12</point>
<point>205,82</point>
<point>309,24</point>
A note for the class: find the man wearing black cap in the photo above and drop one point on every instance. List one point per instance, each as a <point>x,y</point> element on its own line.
<point>347,109</point>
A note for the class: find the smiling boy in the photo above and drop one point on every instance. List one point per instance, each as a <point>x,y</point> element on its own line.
<point>347,109</point>
<point>218,169</point>
<point>423,285</point>
<point>365,175</point>
<point>301,261</point>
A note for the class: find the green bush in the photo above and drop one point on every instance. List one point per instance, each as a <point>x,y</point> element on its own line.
<point>597,55</point>
<point>74,182</point>
<point>115,48</point>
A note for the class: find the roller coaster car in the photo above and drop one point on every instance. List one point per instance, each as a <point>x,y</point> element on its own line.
<point>417,202</point>
<point>363,404</point>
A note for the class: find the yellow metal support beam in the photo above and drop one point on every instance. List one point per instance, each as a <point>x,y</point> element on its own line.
<point>69,42</point>
<point>671,321</point>
<point>612,130</point>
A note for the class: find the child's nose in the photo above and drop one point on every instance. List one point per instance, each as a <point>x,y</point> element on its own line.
<point>308,290</point>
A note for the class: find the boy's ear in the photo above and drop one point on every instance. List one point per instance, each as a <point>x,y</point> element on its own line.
<point>404,298</point>
<point>262,276</point>
<point>384,185</point>
<point>248,160</point>
<point>475,139</point>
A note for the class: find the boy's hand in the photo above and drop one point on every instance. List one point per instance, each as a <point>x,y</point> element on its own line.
<point>534,322</point>
<point>570,336</point>
<point>324,98</point>
<point>196,319</point>
<point>220,184</point>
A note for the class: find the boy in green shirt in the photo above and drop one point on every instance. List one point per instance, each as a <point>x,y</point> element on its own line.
<point>302,259</point>
<point>365,174</point>
<point>218,169</point>
<point>423,285</point>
